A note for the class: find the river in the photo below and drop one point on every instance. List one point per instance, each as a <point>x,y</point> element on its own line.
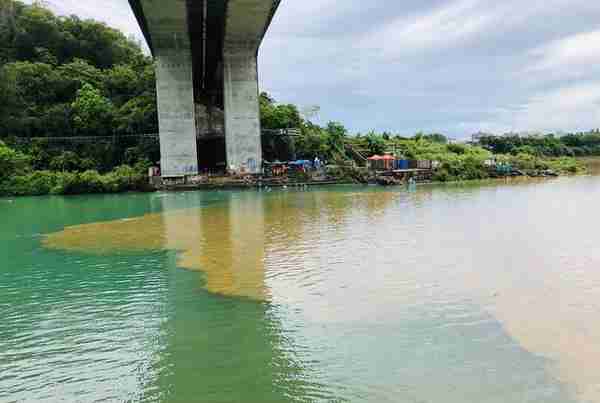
<point>484,292</point>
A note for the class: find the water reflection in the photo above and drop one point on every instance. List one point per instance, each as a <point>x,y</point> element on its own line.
<point>228,241</point>
<point>203,238</point>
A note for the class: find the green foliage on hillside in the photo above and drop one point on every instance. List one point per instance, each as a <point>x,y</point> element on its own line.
<point>63,76</point>
<point>34,33</point>
<point>278,116</point>
<point>92,112</point>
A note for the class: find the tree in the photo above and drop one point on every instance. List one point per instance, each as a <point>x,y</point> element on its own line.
<point>36,28</point>
<point>138,116</point>
<point>9,107</point>
<point>436,138</point>
<point>101,45</point>
<point>313,142</point>
<point>11,162</point>
<point>61,76</point>
<point>56,121</point>
<point>122,83</point>
<point>375,143</point>
<point>77,73</point>
<point>337,130</point>
<point>92,112</point>
<point>68,161</point>
<point>457,148</point>
<point>34,33</point>
<point>336,135</point>
<point>36,83</point>
<point>275,116</point>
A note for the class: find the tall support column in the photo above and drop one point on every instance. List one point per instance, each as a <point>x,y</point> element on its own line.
<point>168,26</point>
<point>245,25</point>
<point>242,115</point>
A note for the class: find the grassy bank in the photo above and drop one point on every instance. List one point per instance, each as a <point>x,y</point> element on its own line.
<point>472,168</point>
<point>461,162</point>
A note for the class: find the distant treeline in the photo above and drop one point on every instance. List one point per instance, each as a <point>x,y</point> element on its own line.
<point>571,145</point>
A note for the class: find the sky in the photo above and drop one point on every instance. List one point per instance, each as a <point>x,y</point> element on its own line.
<point>450,66</point>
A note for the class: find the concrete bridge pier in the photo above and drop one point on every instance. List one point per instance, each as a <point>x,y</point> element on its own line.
<point>175,97</point>
<point>167,25</point>
<point>207,79</point>
<point>242,115</point>
<point>245,26</point>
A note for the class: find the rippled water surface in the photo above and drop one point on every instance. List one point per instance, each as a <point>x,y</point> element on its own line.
<point>461,293</point>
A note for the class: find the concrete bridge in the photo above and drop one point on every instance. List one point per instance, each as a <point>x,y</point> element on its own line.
<point>207,79</point>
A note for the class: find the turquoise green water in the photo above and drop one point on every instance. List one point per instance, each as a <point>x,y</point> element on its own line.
<point>339,294</point>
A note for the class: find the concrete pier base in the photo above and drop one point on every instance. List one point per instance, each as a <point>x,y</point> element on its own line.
<point>242,115</point>
<point>167,23</point>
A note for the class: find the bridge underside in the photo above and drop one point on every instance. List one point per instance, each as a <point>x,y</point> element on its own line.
<point>207,80</point>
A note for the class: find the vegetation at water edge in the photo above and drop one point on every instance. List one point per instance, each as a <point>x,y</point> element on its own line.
<point>18,178</point>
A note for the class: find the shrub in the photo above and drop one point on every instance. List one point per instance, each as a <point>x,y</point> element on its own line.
<point>70,162</point>
<point>36,183</point>
<point>442,175</point>
<point>566,165</point>
<point>67,183</point>
<point>457,148</point>
<point>348,173</point>
<point>12,162</point>
<point>91,182</point>
<point>528,162</point>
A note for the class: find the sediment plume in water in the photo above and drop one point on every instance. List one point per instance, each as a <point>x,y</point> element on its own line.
<point>227,242</point>
<point>541,286</point>
<point>206,240</point>
<point>557,317</point>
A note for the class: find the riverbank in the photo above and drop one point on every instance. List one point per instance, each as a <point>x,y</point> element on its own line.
<point>231,184</point>
<point>251,184</point>
<point>19,176</point>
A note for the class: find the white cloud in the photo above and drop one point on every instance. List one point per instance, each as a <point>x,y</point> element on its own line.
<point>572,55</point>
<point>445,25</point>
<point>567,108</point>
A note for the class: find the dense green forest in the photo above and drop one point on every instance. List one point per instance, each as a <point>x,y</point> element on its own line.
<point>65,77</point>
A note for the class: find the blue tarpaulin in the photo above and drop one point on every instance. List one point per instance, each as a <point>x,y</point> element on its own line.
<point>301,163</point>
